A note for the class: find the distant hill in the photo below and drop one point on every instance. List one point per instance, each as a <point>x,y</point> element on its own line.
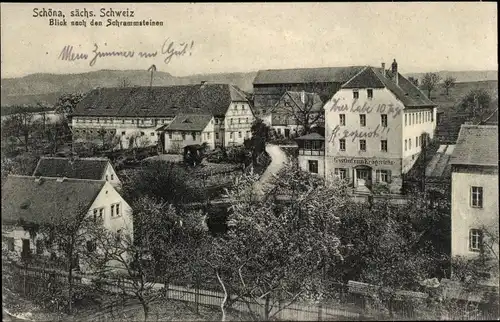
<point>462,76</point>
<point>46,88</point>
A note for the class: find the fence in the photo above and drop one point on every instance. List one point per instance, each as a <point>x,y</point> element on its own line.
<point>352,304</point>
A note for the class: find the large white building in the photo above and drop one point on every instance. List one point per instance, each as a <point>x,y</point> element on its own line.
<point>141,116</point>
<point>474,192</point>
<point>375,127</point>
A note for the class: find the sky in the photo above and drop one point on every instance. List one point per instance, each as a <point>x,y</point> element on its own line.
<point>242,37</point>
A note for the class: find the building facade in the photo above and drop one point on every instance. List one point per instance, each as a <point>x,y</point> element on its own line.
<point>188,130</point>
<point>474,191</point>
<point>375,126</point>
<point>270,85</point>
<point>293,112</point>
<point>43,200</point>
<point>311,153</point>
<point>140,116</point>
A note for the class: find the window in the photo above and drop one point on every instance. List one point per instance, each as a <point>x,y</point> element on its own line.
<point>406,145</point>
<point>246,120</point>
<point>342,144</point>
<point>383,120</point>
<point>242,106</point>
<point>107,179</point>
<point>208,136</point>
<point>383,176</point>
<point>370,93</point>
<point>362,119</point>
<point>239,134</point>
<point>91,246</point>
<point>406,119</point>
<point>383,145</point>
<point>409,144</point>
<point>313,166</point>
<point>341,173</point>
<point>118,236</point>
<point>475,240</point>
<point>231,121</point>
<point>416,141</point>
<point>248,134</point>
<point>10,244</point>
<point>193,135</point>
<point>216,121</point>
<point>183,136</point>
<point>362,145</point>
<point>142,121</point>
<point>123,132</point>
<point>279,131</point>
<point>170,135</point>
<point>239,121</point>
<point>152,133</point>
<point>230,135</point>
<point>342,119</point>
<point>112,177</point>
<point>355,94</point>
<point>115,210</point>
<point>39,247</point>
<point>98,214</point>
<point>235,106</point>
<point>216,135</point>
<point>142,133</point>
<point>477,197</point>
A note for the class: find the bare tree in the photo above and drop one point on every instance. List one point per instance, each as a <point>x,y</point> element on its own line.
<point>448,83</point>
<point>21,125</point>
<point>305,110</point>
<point>429,82</point>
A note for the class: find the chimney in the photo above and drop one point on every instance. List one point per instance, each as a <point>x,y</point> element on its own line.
<point>303,97</point>
<point>383,69</point>
<point>395,71</point>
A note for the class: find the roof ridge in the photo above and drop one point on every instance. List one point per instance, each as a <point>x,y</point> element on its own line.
<point>356,75</point>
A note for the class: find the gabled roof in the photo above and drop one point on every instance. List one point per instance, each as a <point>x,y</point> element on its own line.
<point>311,136</point>
<point>306,75</point>
<point>312,101</point>
<point>476,145</point>
<point>405,91</point>
<point>189,123</point>
<point>159,101</point>
<point>47,200</point>
<point>78,168</point>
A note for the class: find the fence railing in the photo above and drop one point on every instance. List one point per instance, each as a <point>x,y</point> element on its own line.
<point>352,303</point>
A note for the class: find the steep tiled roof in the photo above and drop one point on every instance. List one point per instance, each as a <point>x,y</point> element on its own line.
<point>48,200</point>
<point>189,123</point>
<point>306,75</point>
<point>159,101</point>
<point>405,91</point>
<point>476,145</point>
<point>79,168</point>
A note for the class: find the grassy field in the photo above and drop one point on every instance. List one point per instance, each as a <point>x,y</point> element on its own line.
<point>446,103</point>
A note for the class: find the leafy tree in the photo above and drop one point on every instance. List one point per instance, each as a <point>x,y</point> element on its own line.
<point>476,102</point>
<point>19,165</point>
<point>429,82</point>
<point>164,181</point>
<point>66,103</point>
<point>165,246</point>
<point>261,134</point>
<point>275,254</point>
<point>448,83</point>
